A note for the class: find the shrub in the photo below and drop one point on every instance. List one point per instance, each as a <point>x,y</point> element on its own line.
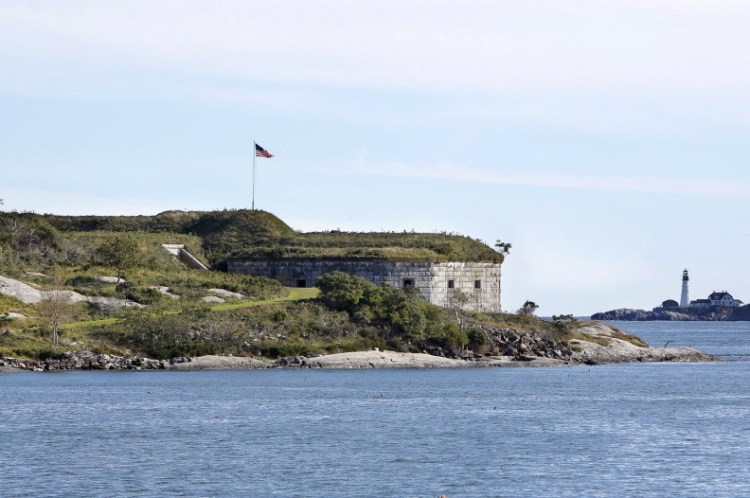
<point>144,295</point>
<point>477,338</point>
<point>563,326</point>
<point>345,292</point>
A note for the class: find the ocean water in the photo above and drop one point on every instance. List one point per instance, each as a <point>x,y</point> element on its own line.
<point>642,430</point>
<point>730,340</point>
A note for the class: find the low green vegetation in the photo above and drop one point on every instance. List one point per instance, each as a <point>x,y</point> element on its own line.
<point>122,258</point>
<point>216,236</point>
<point>348,314</point>
<point>602,341</point>
<point>634,340</point>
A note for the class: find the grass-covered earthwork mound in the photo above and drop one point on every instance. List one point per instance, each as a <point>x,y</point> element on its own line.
<point>220,235</point>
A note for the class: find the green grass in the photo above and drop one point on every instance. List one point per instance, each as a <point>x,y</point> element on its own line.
<point>90,323</point>
<point>512,321</point>
<point>293,294</point>
<point>401,246</point>
<point>596,339</point>
<point>215,236</point>
<point>8,303</point>
<point>149,244</point>
<point>636,341</point>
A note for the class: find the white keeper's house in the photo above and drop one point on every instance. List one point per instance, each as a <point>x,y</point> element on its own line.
<point>722,298</point>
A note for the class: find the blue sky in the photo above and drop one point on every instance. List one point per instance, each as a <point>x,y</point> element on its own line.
<point>606,140</point>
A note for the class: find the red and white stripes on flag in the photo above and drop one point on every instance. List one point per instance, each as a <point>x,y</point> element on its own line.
<point>261,152</point>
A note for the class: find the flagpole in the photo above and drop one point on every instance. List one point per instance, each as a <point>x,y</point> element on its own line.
<point>254,155</point>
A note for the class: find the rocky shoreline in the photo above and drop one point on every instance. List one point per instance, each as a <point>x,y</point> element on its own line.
<point>86,360</point>
<point>597,343</point>
<point>707,314</point>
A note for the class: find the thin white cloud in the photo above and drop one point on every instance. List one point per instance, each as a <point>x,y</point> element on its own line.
<point>647,185</point>
<point>492,46</point>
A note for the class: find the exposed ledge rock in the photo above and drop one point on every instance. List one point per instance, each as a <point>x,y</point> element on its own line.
<point>372,359</point>
<point>226,294</point>
<point>606,345</point>
<point>213,362</point>
<point>393,359</point>
<point>30,295</point>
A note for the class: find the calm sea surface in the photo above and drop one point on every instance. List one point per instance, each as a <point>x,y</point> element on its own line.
<point>612,430</point>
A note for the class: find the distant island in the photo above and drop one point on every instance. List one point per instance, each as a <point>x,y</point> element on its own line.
<point>706,314</point>
<point>719,306</point>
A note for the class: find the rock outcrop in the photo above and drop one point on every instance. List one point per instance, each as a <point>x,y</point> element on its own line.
<point>226,294</point>
<point>215,362</point>
<point>30,295</point>
<point>602,343</point>
<point>372,359</point>
<point>505,342</point>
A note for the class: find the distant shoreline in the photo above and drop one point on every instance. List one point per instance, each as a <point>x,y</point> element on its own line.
<point>704,314</point>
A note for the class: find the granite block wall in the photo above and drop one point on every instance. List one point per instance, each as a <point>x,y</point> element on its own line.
<point>438,283</point>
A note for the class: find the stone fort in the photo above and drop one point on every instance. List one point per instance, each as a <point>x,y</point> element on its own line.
<point>440,283</point>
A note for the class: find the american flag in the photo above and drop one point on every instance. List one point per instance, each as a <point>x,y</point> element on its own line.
<point>261,152</point>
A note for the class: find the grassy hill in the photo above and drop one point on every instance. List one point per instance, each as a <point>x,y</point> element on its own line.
<point>221,235</point>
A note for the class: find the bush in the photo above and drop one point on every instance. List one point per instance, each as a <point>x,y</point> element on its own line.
<point>366,303</point>
<point>451,337</point>
<point>477,338</point>
<point>563,325</point>
<point>144,295</point>
<point>345,292</point>
<point>168,336</point>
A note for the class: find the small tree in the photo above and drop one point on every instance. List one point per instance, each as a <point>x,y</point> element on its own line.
<point>56,308</point>
<point>457,299</point>
<point>119,253</point>
<point>528,308</point>
<point>503,247</point>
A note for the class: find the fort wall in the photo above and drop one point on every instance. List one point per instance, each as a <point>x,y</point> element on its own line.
<point>437,283</point>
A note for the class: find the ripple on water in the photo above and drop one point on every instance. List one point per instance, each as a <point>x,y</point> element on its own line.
<point>637,430</point>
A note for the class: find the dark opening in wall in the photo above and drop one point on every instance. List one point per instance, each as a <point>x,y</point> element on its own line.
<point>408,282</point>
<point>451,284</point>
<point>477,284</point>
<point>301,283</point>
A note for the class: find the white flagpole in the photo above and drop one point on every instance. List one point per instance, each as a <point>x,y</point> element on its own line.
<point>254,154</point>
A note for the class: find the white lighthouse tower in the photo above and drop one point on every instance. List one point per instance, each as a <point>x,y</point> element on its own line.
<point>685,298</point>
